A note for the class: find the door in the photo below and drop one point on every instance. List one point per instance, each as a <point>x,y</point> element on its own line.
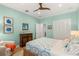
<point>61,28</point>
<point>40,30</point>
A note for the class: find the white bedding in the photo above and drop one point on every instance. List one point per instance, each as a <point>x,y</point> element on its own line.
<point>46,47</point>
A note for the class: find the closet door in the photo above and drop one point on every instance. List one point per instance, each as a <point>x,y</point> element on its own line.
<point>40,30</point>
<point>61,29</point>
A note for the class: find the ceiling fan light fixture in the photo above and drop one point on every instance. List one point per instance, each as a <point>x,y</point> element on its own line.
<point>59,5</point>
<point>39,12</point>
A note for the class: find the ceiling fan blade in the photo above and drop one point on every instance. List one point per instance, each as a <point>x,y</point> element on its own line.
<point>45,9</point>
<point>48,8</point>
<point>36,10</point>
<point>41,8</point>
<point>40,5</point>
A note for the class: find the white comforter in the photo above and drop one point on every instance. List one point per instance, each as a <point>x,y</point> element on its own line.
<point>46,47</point>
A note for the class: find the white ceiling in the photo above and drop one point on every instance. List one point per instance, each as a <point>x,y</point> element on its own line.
<point>55,9</point>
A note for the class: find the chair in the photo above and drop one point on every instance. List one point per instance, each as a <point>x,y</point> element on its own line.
<point>4,51</point>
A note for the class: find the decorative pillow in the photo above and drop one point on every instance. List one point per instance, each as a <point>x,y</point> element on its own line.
<point>11,46</point>
<point>66,41</point>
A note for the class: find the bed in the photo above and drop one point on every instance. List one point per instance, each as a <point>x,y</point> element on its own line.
<point>46,47</point>
<point>51,47</point>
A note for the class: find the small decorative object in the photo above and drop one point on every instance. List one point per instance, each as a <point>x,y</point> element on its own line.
<point>7,24</point>
<point>25,26</point>
<point>49,27</point>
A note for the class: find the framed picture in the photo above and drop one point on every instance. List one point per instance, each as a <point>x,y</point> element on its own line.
<point>25,26</point>
<point>8,29</point>
<point>50,27</point>
<point>8,20</point>
<point>7,24</point>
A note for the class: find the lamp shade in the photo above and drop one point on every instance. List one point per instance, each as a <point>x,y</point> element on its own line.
<point>75,33</point>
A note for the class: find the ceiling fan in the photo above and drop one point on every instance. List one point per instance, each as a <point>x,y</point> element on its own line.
<point>41,8</point>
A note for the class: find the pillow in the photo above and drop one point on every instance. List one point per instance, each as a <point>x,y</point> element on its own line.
<point>66,41</point>
<point>12,46</point>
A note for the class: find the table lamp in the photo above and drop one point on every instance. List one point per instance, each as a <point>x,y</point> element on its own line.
<point>74,36</point>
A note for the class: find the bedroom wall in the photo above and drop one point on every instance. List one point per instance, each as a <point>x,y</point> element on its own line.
<point>78,18</point>
<point>70,15</point>
<point>19,18</point>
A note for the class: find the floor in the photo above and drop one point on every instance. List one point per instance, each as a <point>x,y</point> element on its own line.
<point>22,52</point>
<point>18,52</point>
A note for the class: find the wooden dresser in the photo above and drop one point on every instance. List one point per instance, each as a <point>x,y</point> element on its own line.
<point>24,38</point>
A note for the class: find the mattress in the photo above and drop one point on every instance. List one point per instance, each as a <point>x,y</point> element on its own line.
<point>46,47</point>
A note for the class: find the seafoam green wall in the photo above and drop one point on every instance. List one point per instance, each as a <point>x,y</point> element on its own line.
<point>19,18</point>
<point>78,18</point>
<point>70,15</point>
